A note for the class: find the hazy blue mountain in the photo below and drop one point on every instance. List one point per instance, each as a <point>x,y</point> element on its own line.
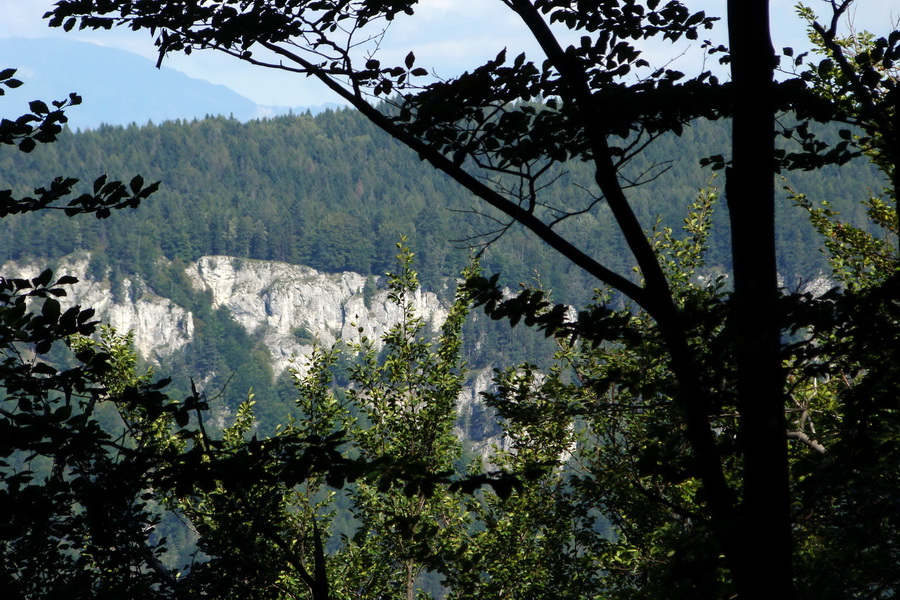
<point>116,85</point>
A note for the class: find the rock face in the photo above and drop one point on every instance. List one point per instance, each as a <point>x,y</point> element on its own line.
<point>476,423</point>
<point>160,326</point>
<point>289,306</point>
<point>292,306</point>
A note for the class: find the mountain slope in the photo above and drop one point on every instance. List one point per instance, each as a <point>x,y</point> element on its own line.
<point>118,87</point>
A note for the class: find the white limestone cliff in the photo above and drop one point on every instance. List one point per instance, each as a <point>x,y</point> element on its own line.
<point>160,326</point>
<point>287,306</point>
<point>290,305</point>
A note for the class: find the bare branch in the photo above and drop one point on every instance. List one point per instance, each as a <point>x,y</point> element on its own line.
<point>803,438</point>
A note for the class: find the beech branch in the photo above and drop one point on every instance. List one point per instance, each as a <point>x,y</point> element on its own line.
<point>427,152</point>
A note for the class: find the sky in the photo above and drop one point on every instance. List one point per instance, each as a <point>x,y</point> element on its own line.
<point>447,36</point>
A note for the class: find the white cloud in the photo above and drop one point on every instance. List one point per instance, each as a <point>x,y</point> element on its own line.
<point>23,17</point>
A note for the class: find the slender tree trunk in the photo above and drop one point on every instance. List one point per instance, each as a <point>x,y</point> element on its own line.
<point>764,516</point>
<point>410,580</point>
<point>894,149</point>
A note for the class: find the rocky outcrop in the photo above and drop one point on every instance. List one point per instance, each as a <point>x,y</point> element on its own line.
<point>292,306</point>
<point>288,307</point>
<point>476,422</point>
<point>160,326</point>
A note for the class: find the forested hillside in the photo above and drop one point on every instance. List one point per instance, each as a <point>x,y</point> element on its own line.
<point>334,193</point>
<point>708,426</point>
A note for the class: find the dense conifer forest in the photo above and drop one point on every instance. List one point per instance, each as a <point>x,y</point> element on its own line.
<point>334,193</point>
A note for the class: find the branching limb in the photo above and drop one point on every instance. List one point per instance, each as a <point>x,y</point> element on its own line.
<point>803,438</point>
<point>470,182</point>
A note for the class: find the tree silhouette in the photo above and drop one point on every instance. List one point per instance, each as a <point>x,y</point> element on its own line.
<point>498,131</point>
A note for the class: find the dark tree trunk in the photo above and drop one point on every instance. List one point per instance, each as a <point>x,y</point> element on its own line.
<point>764,516</point>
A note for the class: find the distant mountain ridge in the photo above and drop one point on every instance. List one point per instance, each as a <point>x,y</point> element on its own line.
<point>51,68</point>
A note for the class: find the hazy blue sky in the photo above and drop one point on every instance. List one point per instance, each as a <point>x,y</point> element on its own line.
<point>447,36</point>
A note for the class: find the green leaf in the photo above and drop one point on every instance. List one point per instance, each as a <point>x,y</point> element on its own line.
<point>39,107</point>
<point>51,310</point>
<point>43,279</point>
<point>99,183</point>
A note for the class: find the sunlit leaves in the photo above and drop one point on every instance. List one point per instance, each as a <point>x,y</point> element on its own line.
<point>87,492</point>
<point>857,76</point>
